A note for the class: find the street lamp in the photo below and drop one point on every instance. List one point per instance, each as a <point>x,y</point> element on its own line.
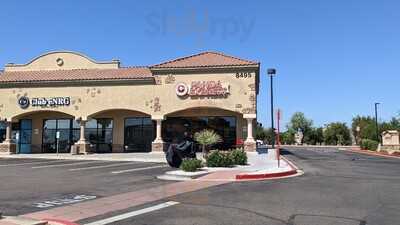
<point>271,72</point>
<point>376,122</point>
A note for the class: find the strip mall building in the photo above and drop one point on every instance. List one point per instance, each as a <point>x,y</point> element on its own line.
<point>64,100</point>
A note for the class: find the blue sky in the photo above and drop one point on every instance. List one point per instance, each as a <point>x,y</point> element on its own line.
<point>334,58</point>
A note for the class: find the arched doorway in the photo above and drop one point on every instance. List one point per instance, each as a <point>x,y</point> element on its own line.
<point>185,123</point>
<point>44,131</point>
<point>120,130</point>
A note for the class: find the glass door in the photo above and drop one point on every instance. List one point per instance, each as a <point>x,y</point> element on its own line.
<point>68,129</point>
<point>24,136</point>
<point>139,133</point>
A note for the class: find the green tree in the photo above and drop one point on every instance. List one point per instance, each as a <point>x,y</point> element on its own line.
<point>260,132</point>
<point>315,136</point>
<point>367,128</point>
<point>393,124</point>
<point>287,137</point>
<point>299,121</point>
<point>337,134</point>
<point>207,138</point>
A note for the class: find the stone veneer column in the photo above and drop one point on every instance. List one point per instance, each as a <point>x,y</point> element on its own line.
<point>250,143</point>
<point>158,144</point>
<point>82,145</point>
<point>8,146</point>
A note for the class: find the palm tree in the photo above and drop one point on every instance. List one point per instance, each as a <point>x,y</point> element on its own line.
<point>207,138</point>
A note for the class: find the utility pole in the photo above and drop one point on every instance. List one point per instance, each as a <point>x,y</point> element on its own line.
<point>271,72</point>
<point>376,122</point>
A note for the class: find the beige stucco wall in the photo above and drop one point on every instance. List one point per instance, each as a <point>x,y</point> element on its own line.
<point>119,101</point>
<point>70,60</point>
<point>88,100</point>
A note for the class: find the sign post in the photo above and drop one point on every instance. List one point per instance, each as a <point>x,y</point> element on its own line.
<point>57,138</point>
<point>278,141</point>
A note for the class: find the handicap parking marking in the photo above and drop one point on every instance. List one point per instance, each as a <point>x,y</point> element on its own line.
<point>103,166</point>
<point>133,213</point>
<point>138,169</point>
<point>70,199</point>
<point>31,163</point>
<point>64,164</point>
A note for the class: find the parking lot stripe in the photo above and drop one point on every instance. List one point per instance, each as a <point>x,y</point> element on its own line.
<point>104,166</point>
<point>64,164</point>
<point>133,213</point>
<point>137,169</point>
<point>30,163</point>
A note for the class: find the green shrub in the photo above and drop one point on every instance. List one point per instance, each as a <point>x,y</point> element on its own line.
<point>191,165</point>
<point>239,157</point>
<point>219,159</point>
<point>369,144</point>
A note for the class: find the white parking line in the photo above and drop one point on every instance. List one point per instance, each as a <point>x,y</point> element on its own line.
<point>137,169</point>
<point>105,166</point>
<point>133,213</point>
<point>64,164</point>
<point>30,163</point>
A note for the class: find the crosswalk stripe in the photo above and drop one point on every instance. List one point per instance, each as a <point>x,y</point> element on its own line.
<point>137,169</point>
<point>99,167</point>
<point>29,163</point>
<point>133,213</point>
<point>64,164</point>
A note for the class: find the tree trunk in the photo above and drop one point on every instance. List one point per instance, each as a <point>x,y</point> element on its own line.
<point>203,150</point>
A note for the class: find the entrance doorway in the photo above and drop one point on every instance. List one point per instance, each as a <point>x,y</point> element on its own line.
<point>174,129</point>
<point>22,133</point>
<point>99,132</point>
<point>69,134</point>
<point>139,133</point>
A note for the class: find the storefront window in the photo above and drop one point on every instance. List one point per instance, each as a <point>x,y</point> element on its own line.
<point>174,129</point>
<point>99,132</point>
<point>139,133</point>
<point>69,134</point>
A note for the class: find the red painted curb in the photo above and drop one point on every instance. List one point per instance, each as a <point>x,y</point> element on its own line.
<point>269,175</point>
<point>64,222</point>
<point>265,175</point>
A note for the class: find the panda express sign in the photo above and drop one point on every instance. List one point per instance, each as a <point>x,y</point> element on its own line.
<point>203,88</point>
<point>24,102</point>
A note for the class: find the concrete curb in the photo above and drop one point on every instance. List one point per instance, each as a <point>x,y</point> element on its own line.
<point>59,222</point>
<point>262,176</point>
<point>368,152</point>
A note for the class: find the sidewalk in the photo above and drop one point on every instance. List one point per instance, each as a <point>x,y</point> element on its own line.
<point>157,157</point>
<point>260,166</point>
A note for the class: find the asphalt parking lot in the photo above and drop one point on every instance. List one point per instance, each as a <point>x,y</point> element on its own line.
<point>29,185</point>
<point>338,188</point>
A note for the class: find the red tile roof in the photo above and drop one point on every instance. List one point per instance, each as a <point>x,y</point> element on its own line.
<point>205,59</point>
<point>76,75</point>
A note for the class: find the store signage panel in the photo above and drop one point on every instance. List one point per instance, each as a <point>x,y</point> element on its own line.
<point>24,102</point>
<point>203,88</point>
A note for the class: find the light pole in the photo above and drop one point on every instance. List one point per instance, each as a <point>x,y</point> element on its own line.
<point>376,122</point>
<point>271,72</point>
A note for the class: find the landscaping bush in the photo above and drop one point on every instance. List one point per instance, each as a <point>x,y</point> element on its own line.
<point>369,144</point>
<point>239,157</point>
<point>190,165</point>
<point>219,159</point>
